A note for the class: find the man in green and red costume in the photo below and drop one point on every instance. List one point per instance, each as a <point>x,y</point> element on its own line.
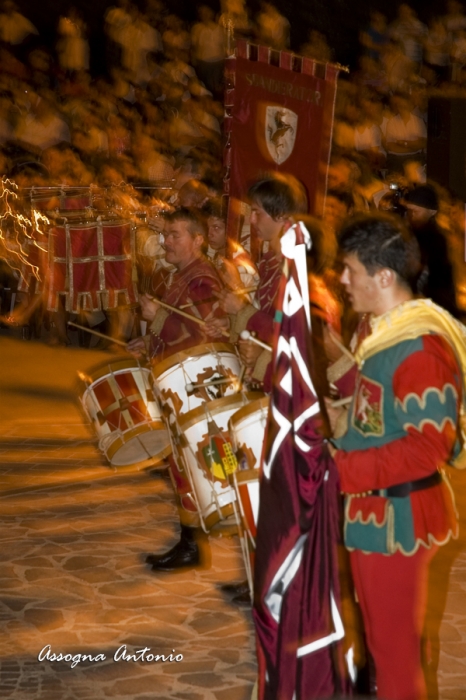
<point>403,427</point>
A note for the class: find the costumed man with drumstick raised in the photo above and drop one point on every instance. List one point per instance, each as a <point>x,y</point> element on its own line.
<point>274,201</point>
<point>191,285</point>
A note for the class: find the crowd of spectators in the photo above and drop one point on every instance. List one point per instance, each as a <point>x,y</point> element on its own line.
<point>156,115</point>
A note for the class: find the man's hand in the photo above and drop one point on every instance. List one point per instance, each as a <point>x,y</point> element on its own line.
<point>216,327</point>
<point>137,348</point>
<point>333,413</point>
<point>249,352</point>
<point>230,302</point>
<point>149,307</point>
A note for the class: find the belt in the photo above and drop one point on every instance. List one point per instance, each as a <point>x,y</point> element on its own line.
<point>403,490</point>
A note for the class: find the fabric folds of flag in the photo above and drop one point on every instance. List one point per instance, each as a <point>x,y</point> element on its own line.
<point>296,590</point>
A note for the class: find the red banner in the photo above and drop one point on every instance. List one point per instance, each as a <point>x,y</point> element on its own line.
<point>278,118</point>
<point>92,266</point>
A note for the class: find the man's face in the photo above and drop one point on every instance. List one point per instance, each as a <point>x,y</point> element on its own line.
<point>266,227</point>
<point>362,289</point>
<point>418,216</point>
<point>180,246</point>
<point>216,233</point>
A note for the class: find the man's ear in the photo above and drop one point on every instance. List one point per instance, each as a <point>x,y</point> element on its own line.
<point>386,277</point>
<point>199,241</point>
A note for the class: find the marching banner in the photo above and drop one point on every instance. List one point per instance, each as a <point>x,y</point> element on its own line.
<point>92,266</point>
<point>278,117</point>
<point>296,587</point>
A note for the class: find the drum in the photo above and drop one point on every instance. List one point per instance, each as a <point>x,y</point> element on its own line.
<point>206,450</point>
<point>247,430</point>
<point>186,380</point>
<point>60,198</point>
<point>120,402</point>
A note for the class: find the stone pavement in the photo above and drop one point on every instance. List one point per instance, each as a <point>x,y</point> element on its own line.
<point>73,535</point>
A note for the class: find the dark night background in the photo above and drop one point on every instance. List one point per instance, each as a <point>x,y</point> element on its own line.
<point>339,20</point>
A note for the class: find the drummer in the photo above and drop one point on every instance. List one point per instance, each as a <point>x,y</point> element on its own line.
<point>192,285</point>
<point>274,200</point>
<point>233,263</point>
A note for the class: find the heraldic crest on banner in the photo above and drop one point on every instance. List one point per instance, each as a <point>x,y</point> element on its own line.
<point>281,125</point>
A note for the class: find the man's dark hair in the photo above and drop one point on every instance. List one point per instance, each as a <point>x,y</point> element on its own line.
<point>279,195</point>
<point>382,241</point>
<point>213,208</point>
<point>193,217</point>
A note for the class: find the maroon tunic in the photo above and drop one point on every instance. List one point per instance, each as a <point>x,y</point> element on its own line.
<point>193,286</point>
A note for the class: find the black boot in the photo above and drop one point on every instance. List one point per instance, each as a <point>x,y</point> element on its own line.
<point>184,554</point>
<point>235,588</point>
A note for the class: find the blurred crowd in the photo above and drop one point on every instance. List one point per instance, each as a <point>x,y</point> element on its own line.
<point>153,121</point>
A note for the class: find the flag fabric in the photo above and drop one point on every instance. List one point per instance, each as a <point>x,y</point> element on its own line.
<point>278,118</point>
<point>296,590</point>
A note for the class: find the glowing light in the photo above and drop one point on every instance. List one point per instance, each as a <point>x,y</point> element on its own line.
<point>16,228</point>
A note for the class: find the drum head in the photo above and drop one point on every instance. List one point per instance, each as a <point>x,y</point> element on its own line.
<point>138,447</point>
<point>199,350</point>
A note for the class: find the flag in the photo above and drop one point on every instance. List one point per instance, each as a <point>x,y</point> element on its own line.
<point>296,591</point>
<point>278,118</point>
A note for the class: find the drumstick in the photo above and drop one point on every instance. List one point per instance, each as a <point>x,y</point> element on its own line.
<point>246,335</point>
<point>100,335</point>
<point>341,402</point>
<point>200,321</point>
<point>340,345</point>
<point>247,290</point>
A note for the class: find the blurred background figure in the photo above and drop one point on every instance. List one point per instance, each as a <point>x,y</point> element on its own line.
<point>317,47</point>
<point>273,29</point>
<point>208,50</point>
<point>436,278</point>
<point>16,31</point>
<point>374,38</point>
<point>406,134</point>
<point>72,46</point>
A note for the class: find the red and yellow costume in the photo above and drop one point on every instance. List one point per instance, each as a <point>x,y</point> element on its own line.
<point>402,427</point>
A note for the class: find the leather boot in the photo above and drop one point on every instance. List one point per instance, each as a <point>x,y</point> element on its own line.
<point>235,588</point>
<point>184,554</point>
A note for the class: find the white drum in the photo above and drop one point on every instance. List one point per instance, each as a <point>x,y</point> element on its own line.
<point>120,402</point>
<point>186,380</point>
<point>208,455</point>
<point>247,430</point>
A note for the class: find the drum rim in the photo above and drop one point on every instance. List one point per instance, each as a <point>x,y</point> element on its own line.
<point>244,476</point>
<point>213,518</point>
<point>131,433</point>
<point>94,223</point>
<point>187,420</point>
<point>95,373</point>
<point>182,355</point>
<point>248,409</point>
